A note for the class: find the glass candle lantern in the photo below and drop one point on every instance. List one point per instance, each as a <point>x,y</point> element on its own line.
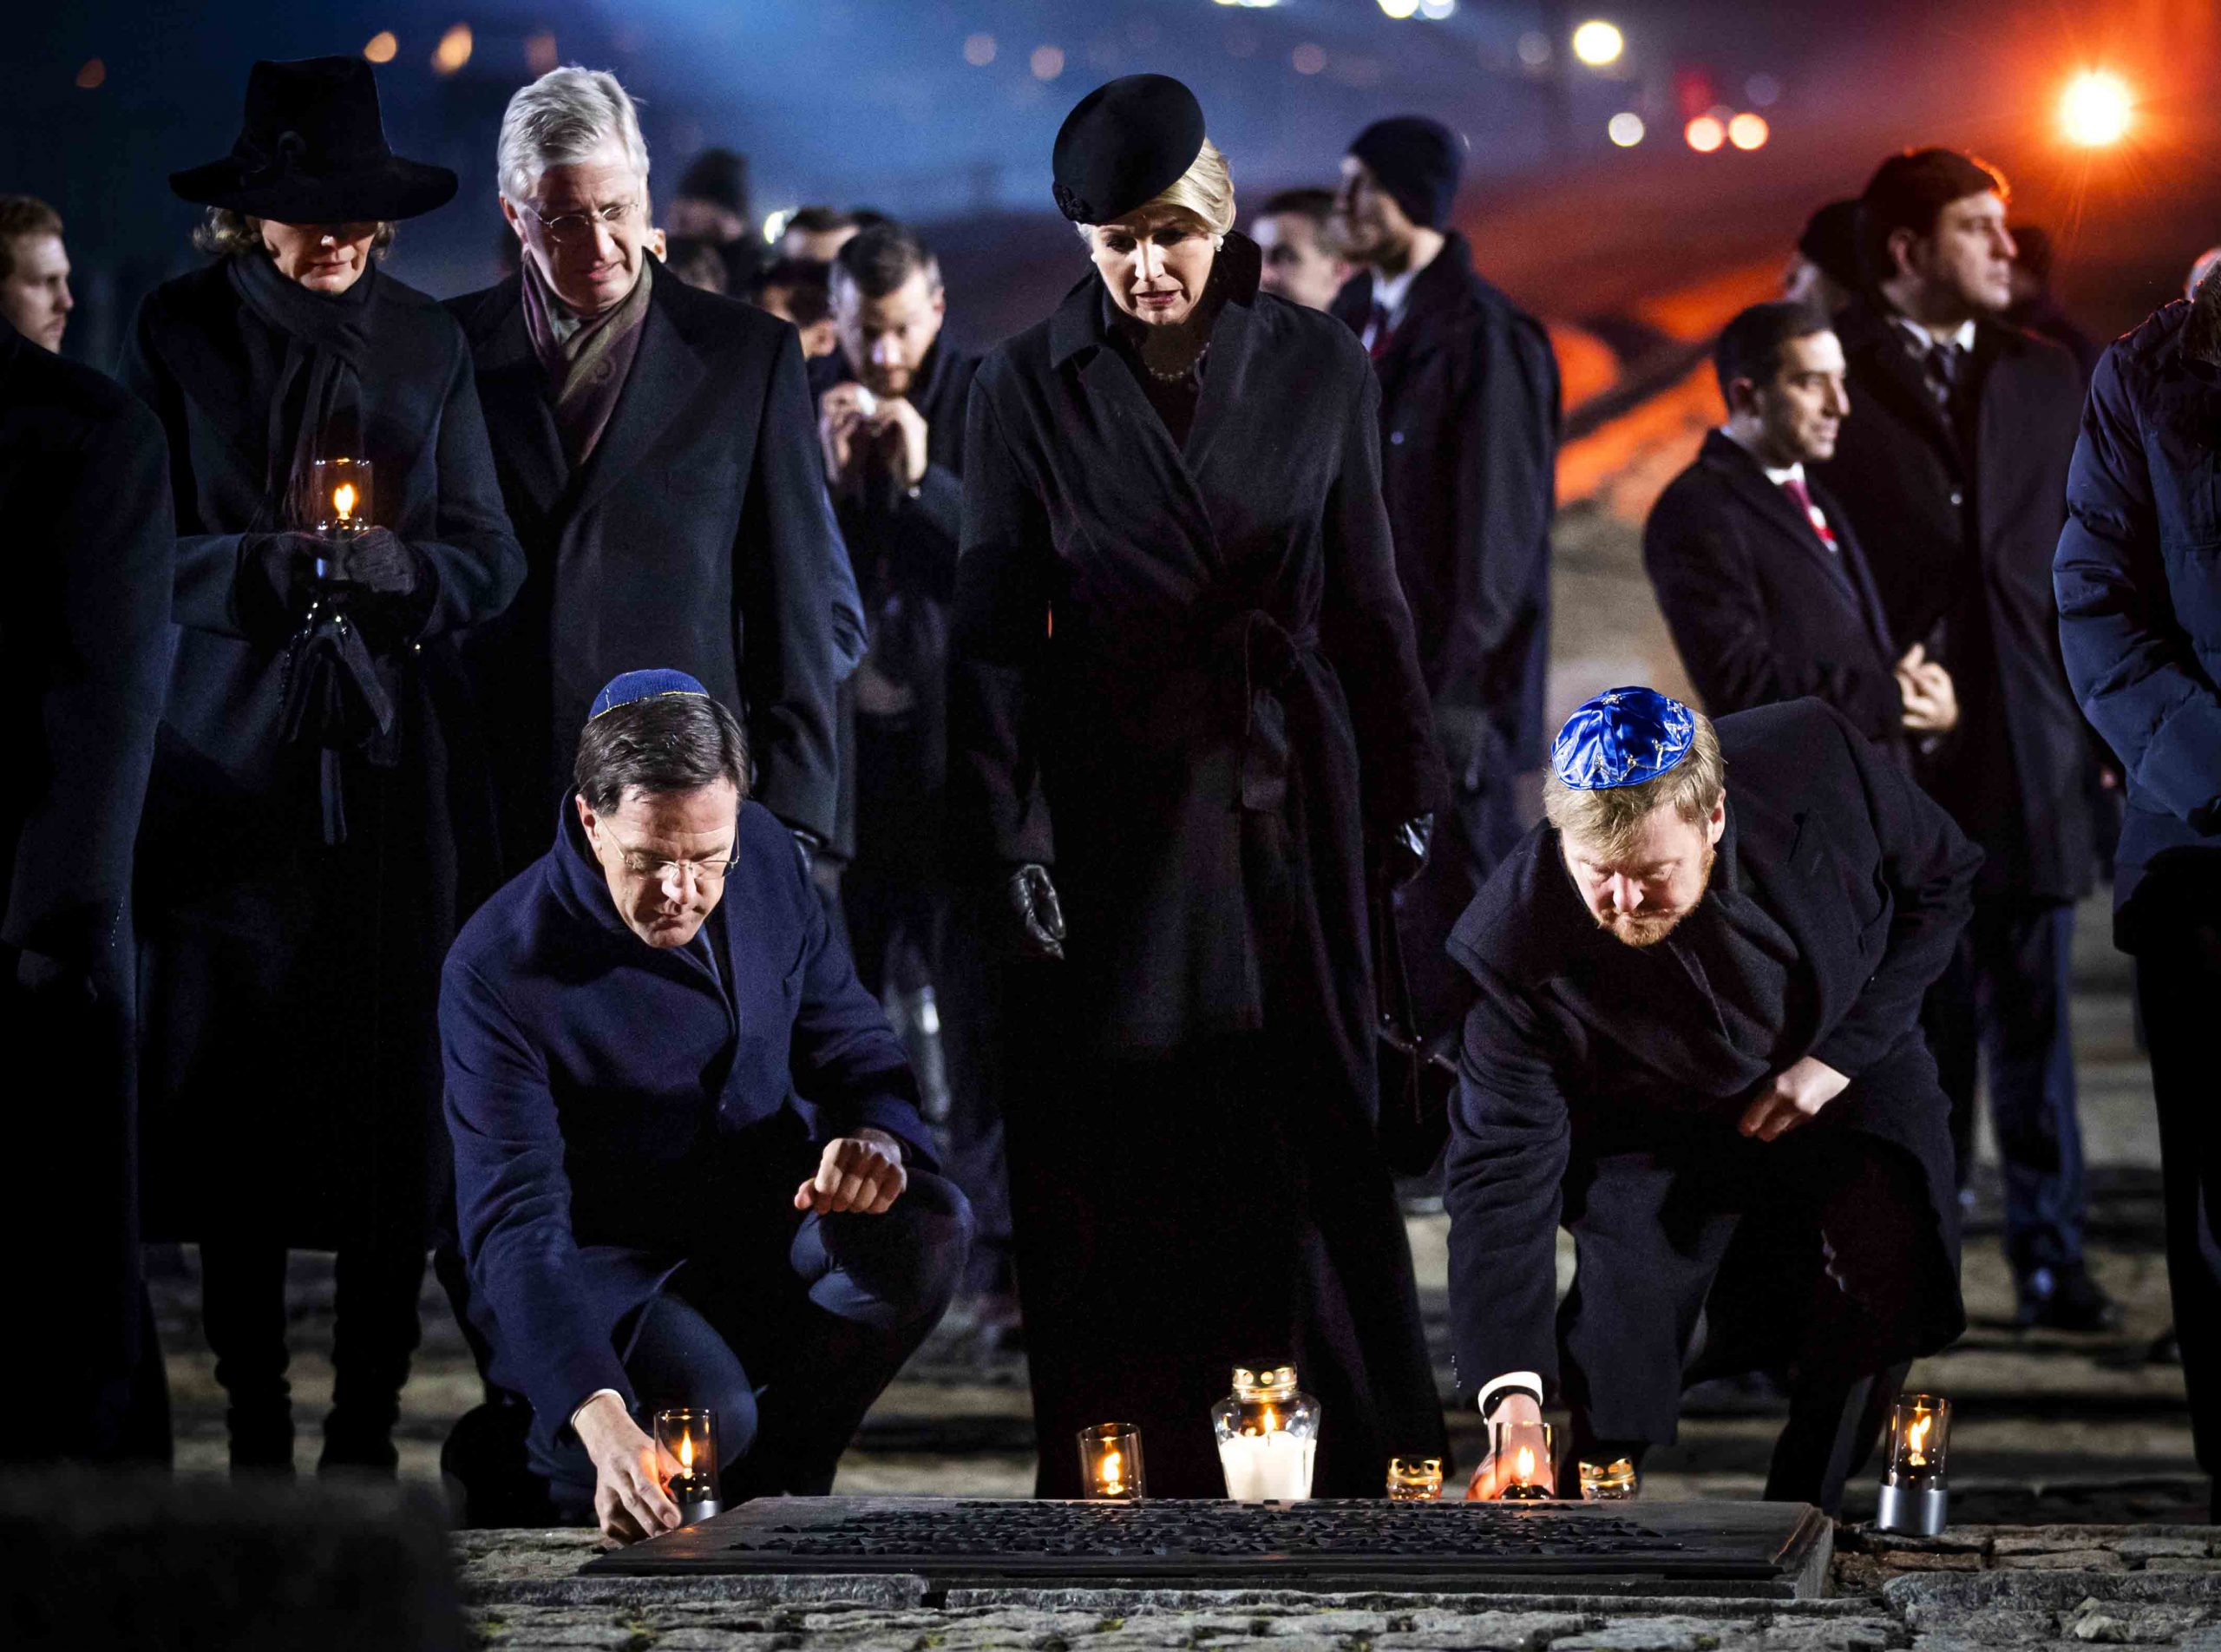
<point>1611,1482</point>
<point>689,1436</point>
<point>1414,1480</point>
<point>339,497</point>
<point>1523,1459</point>
<point>1915,1497</point>
<point>1111,1463</point>
<point>1267,1433</point>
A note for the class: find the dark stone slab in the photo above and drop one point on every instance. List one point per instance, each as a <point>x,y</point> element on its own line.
<point>1769,1550</point>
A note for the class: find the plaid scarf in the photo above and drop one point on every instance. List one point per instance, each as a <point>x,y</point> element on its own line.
<point>586,371</point>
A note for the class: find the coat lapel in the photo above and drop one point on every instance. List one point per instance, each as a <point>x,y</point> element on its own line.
<point>1899,383</point>
<point>513,393</point>
<point>1748,479</point>
<point>666,374</point>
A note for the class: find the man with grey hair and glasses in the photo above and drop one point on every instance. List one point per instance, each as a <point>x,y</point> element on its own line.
<point>657,453</point>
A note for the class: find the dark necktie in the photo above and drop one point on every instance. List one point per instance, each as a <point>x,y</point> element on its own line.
<point>1380,344</point>
<point>1945,368</point>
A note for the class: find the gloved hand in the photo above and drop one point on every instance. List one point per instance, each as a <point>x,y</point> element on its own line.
<point>1039,919</point>
<point>806,844</point>
<point>284,564</point>
<point>1403,855</point>
<point>375,559</point>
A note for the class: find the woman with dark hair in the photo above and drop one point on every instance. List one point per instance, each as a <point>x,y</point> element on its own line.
<point>1187,726</point>
<point>299,871</point>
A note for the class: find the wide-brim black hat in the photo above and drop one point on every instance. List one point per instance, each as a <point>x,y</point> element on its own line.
<point>1123,145</point>
<point>312,150</point>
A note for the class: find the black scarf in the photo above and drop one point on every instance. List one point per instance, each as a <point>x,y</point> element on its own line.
<point>309,375</point>
<point>308,368</point>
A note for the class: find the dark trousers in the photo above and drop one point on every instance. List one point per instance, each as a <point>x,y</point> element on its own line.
<point>375,1332</point>
<point>2003,1001</point>
<point>2178,990</point>
<point>788,1342</point>
<point>1720,1255</point>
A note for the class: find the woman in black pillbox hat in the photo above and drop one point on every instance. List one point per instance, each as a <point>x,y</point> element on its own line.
<point>1176,625</point>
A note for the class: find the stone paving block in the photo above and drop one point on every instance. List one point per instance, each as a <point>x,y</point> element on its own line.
<point>2169,1564</point>
<point>1441,1630</point>
<point>2154,1546</point>
<point>1834,1634</point>
<point>2117,1623</point>
<point>2044,1540</point>
<point>2064,1560</point>
<point>1659,1635</point>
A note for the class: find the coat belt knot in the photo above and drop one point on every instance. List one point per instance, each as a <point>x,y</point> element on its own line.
<point>1270,656</point>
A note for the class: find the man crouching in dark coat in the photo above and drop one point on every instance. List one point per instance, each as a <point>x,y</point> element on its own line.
<point>1697,1048</point>
<point>690,1169</point>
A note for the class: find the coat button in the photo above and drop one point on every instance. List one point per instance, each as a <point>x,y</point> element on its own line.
<point>1958,499</point>
<point>1395,438</point>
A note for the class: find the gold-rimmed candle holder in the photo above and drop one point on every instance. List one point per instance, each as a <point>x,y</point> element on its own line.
<point>1111,1463</point>
<point>1609,1482</point>
<point>1414,1480</point>
<point>688,1434</point>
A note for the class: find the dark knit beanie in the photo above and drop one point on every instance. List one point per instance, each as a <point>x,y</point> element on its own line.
<point>719,176</point>
<point>1417,161</point>
<point>1830,242</point>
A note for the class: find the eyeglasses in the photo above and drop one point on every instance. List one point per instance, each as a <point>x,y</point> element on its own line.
<point>580,227</point>
<point>706,872</point>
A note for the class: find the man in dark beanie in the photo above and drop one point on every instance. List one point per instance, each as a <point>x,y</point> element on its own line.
<point>711,206</point>
<point>1823,271</point>
<point>1952,471</point>
<point>1469,423</point>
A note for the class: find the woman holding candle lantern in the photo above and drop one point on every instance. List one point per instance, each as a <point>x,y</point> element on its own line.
<point>1187,726</point>
<point>300,867</point>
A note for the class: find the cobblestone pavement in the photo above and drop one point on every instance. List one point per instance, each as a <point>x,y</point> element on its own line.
<point>1975,1587</point>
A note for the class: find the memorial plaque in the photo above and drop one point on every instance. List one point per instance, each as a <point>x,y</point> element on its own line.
<point>1779,1550</point>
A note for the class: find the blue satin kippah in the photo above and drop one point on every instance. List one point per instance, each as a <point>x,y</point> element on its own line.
<point>627,686</point>
<point>1623,738</point>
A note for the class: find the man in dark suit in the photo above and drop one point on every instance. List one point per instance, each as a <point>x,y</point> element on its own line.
<point>689,1165</point>
<point>1760,579</point>
<point>1952,471</point>
<point>84,656</point>
<point>1469,429</point>
<point>2139,608</point>
<point>1697,1047</point>
<point>654,444</point>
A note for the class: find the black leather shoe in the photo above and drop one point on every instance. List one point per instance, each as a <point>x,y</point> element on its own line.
<point>2065,1299</point>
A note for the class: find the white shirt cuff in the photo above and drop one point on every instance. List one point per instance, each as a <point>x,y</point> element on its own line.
<point>589,1399</point>
<point>1509,1379</point>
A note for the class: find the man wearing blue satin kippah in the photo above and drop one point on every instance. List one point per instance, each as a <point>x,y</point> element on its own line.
<point>1697,1047</point>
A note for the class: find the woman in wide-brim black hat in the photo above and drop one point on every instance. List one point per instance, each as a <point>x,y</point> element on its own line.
<point>299,866</point>
<point>1187,726</point>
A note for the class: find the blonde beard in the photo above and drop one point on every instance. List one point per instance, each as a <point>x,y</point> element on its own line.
<point>1648,929</point>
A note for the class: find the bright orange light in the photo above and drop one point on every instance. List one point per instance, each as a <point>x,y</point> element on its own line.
<point>1916,1441</point>
<point>343,500</point>
<point>91,74</point>
<point>1747,131</point>
<point>380,47</point>
<point>1522,1469</point>
<point>540,52</point>
<point>2096,109</point>
<point>687,1454</point>
<point>1705,133</point>
<point>453,51</point>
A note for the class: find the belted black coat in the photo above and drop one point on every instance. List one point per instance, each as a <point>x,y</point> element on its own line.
<point>696,536</point>
<point>289,987</point>
<point>1959,536</point>
<point>1182,677</point>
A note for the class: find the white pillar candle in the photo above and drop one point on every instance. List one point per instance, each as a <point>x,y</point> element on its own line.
<point>1273,1466</point>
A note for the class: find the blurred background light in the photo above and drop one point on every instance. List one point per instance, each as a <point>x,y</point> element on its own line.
<point>1400,9</point>
<point>1436,10</point>
<point>1534,48</point>
<point>1626,129</point>
<point>380,47</point>
<point>2096,109</point>
<point>91,74</point>
<point>1597,42</point>
<point>539,54</point>
<point>1705,133</point>
<point>1764,90</point>
<point>453,51</point>
<point>1748,131</point>
<point>1307,59</point>
<point>978,50</point>
<point>1047,63</point>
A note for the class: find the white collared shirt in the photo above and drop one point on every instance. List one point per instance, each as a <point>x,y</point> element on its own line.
<point>1964,337</point>
<point>1390,294</point>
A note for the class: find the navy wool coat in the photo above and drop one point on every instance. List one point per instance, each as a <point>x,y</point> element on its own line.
<point>696,536</point>
<point>2139,577</point>
<point>595,1085</point>
<point>291,1057</point>
<point>1872,882</point>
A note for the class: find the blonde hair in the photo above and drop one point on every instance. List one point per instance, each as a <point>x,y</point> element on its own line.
<point>230,234</point>
<point>1609,821</point>
<point>1204,192</point>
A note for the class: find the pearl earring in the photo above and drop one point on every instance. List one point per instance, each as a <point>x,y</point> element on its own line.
<point>1218,243</point>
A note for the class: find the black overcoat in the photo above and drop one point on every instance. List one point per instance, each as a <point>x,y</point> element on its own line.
<point>290,987</point>
<point>1760,609</point>
<point>1468,434</point>
<point>696,536</point>
<point>1871,882</point>
<point>1974,585</point>
<point>84,652</point>
<point>1184,678</point>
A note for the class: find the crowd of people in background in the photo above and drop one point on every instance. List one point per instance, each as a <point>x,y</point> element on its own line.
<point>1137,745</point>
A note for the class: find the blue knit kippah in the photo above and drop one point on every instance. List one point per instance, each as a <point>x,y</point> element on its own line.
<point>627,686</point>
<point>1623,738</point>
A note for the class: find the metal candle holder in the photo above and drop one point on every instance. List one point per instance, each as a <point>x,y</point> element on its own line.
<point>1915,1496</point>
<point>1111,1463</point>
<point>1414,1480</point>
<point>689,1436</point>
<point>340,501</point>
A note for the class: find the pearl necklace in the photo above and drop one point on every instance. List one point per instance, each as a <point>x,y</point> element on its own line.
<point>1184,374</point>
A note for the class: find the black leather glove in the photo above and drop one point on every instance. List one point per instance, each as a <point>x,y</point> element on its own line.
<point>1403,855</point>
<point>1039,921</point>
<point>375,559</point>
<point>807,843</point>
<point>280,568</point>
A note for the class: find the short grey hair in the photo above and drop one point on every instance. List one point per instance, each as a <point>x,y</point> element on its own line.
<point>564,116</point>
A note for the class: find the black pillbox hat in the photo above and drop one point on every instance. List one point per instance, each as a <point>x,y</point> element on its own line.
<point>1123,145</point>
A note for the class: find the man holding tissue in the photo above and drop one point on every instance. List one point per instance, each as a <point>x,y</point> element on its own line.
<point>1697,1047</point>
<point>690,1169</point>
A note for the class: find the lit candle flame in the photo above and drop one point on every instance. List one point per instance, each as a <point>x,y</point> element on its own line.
<point>343,500</point>
<point>1113,1472</point>
<point>686,1454</point>
<point>1523,1471</point>
<point>1917,1439</point>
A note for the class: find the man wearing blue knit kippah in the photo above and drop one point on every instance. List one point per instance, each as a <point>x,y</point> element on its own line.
<point>1697,1048</point>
